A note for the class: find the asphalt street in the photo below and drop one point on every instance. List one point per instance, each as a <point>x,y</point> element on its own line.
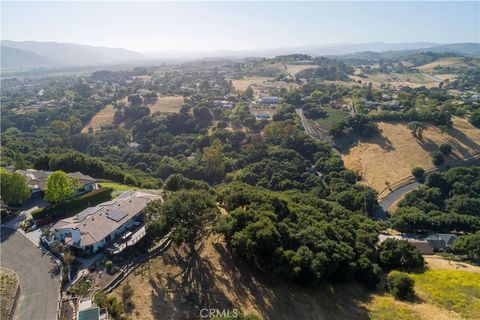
<point>38,274</point>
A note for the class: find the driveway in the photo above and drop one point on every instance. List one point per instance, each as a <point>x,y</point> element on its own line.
<point>38,273</point>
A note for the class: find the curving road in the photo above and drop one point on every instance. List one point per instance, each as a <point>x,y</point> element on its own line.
<point>382,211</point>
<point>38,274</point>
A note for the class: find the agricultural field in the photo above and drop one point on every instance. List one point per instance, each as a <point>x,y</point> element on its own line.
<point>168,104</point>
<point>8,284</point>
<point>396,148</point>
<point>102,118</point>
<point>293,69</point>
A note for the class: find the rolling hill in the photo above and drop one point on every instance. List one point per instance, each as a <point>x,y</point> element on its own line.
<point>35,53</point>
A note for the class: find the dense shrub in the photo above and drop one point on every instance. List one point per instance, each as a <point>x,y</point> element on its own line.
<point>437,158</point>
<point>75,204</point>
<point>399,254</point>
<point>418,172</point>
<point>400,285</point>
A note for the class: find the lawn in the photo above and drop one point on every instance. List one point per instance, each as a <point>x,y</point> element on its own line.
<point>333,117</point>
<point>454,290</point>
<point>8,284</point>
<point>117,186</point>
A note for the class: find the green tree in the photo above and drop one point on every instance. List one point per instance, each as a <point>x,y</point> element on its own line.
<point>446,149</point>
<point>213,157</point>
<point>135,100</point>
<point>437,158</point>
<point>19,161</point>
<point>399,254</point>
<point>189,214</point>
<point>400,285</point>
<point>416,128</point>
<point>14,188</point>
<point>418,172</point>
<point>60,186</point>
<point>468,245</point>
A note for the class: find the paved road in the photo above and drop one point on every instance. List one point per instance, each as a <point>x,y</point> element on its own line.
<point>39,283</point>
<point>381,213</point>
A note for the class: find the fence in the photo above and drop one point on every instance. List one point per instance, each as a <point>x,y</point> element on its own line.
<point>129,268</point>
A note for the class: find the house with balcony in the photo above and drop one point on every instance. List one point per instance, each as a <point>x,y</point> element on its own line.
<point>112,225</point>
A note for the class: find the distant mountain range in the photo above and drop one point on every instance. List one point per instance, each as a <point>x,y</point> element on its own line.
<point>28,54</point>
<point>17,54</point>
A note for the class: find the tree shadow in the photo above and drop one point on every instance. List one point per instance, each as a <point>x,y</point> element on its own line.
<point>464,139</point>
<point>380,140</point>
<point>215,278</point>
<point>6,233</point>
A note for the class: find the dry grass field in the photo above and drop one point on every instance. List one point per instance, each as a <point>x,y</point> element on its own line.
<point>167,104</point>
<point>103,117</point>
<point>243,84</point>
<point>174,289</point>
<point>444,62</point>
<point>293,69</point>
<point>8,284</point>
<point>411,79</point>
<point>219,280</point>
<point>439,263</point>
<point>390,157</point>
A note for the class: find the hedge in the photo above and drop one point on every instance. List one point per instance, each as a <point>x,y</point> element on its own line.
<point>74,205</point>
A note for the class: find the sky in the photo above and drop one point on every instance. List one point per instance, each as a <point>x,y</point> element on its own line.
<point>210,26</point>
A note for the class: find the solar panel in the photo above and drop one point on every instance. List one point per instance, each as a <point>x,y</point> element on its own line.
<point>82,215</point>
<point>117,214</point>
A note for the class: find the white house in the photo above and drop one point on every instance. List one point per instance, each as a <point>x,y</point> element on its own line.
<point>93,228</point>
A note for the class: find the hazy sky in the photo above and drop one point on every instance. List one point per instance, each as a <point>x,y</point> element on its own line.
<point>206,26</point>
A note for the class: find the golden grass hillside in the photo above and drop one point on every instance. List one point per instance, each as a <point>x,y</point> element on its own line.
<point>444,62</point>
<point>216,279</point>
<point>102,118</point>
<point>167,104</point>
<point>293,69</point>
<point>390,157</point>
<point>243,84</point>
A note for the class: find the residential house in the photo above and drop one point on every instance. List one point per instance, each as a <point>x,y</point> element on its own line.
<point>268,100</point>
<point>426,244</point>
<point>37,180</point>
<point>118,223</point>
